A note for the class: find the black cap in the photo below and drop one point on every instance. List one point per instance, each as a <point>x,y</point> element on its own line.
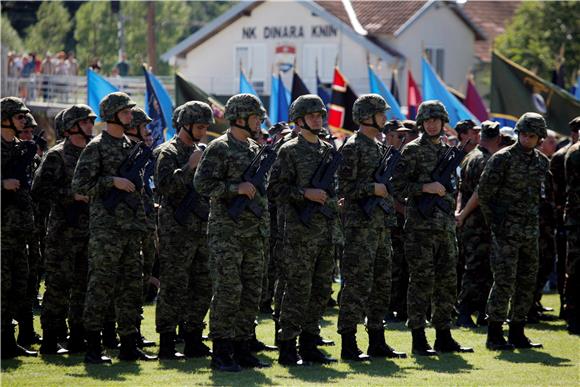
<point>489,129</point>
<point>463,126</point>
<point>392,126</point>
<point>575,124</point>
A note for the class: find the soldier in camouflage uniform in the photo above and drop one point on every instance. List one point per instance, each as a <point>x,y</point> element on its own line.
<point>67,236</point>
<point>473,230</point>
<point>509,194</point>
<point>430,247</point>
<point>185,292</point>
<point>236,248</point>
<point>17,223</point>
<point>115,265</point>
<point>307,252</point>
<point>366,261</point>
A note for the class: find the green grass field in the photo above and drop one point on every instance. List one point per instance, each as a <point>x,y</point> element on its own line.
<point>555,365</point>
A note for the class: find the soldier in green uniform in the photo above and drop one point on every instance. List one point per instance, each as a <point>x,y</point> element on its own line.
<point>366,261</point>
<point>67,235</point>
<point>509,196</point>
<point>115,265</point>
<point>185,292</point>
<point>307,248</point>
<point>430,246</point>
<point>17,222</point>
<point>236,248</point>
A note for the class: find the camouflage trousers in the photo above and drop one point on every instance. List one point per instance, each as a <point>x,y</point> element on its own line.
<point>366,276</point>
<point>14,275</point>
<point>149,252</point>
<point>238,266</point>
<point>514,264</point>
<point>186,287</point>
<point>547,259</point>
<point>432,259</point>
<point>310,262</point>
<point>115,273</point>
<point>399,273</point>
<point>572,282</point>
<point>66,280</point>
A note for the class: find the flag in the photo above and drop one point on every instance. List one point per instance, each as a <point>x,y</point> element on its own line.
<point>97,88</point>
<point>473,101</point>
<point>298,87</point>
<point>577,90</point>
<point>516,90</point>
<point>278,100</point>
<point>159,107</point>
<point>246,87</point>
<point>341,101</point>
<point>186,91</point>
<point>434,88</point>
<point>274,99</point>
<point>413,97</point>
<point>320,89</point>
<point>395,87</point>
<point>378,87</point>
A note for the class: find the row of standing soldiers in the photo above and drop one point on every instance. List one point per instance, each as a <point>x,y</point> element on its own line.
<point>217,221</point>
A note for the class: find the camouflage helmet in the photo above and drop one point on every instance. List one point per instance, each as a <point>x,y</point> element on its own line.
<point>138,117</point>
<point>242,106</point>
<point>175,116</point>
<point>306,104</point>
<point>30,121</point>
<point>76,113</point>
<point>195,112</point>
<point>59,124</point>
<point>11,106</point>
<point>431,109</point>
<point>367,105</point>
<point>532,123</point>
<point>113,103</point>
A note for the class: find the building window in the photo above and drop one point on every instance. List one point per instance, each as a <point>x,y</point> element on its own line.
<point>436,57</point>
<point>252,59</point>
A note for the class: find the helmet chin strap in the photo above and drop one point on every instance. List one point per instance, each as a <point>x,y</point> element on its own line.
<point>308,128</point>
<point>247,128</point>
<point>375,124</point>
<point>189,131</point>
<point>117,121</point>
<point>87,137</point>
<point>13,127</point>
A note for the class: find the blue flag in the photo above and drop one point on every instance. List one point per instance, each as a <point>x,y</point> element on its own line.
<point>273,110</point>
<point>159,107</point>
<point>321,91</point>
<point>434,88</point>
<point>246,87</point>
<point>283,99</point>
<point>378,87</point>
<point>97,88</point>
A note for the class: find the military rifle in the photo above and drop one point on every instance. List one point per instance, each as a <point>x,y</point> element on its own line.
<point>19,167</point>
<point>192,203</point>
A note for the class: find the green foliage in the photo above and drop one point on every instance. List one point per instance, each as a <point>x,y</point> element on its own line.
<point>10,38</point>
<point>538,31</point>
<point>52,25</point>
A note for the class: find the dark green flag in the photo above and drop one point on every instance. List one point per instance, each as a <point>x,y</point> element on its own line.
<point>516,90</point>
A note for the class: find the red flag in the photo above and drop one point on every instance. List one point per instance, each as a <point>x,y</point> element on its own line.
<point>413,97</point>
<point>341,101</point>
<point>474,103</point>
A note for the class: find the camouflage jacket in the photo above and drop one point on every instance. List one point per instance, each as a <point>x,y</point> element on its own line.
<point>510,189</point>
<point>17,212</point>
<point>572,164</point>
<point>98,164</point>
<point>356,182</point>
<point>53,181</point>
<point>218,175</point>
<point>471,169</point>
<point>559,179</point>
<point>173,179</point>
<point>419,158</point>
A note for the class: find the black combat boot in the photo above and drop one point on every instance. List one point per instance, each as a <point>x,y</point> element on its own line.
<point>129,351</point>
<point>110,340</point>
<point>495,340</point>
<point>194,346</point>
<point>222,358</point>
<point>378,347</point>
<point>259,346</point>
<point>9,347</point>
<point>322,342</point>
<point>245,358</point>
<point>464,319</point>
<point>94,353</point>
<point>276,329</point>
<point>288,354</point>
<point>350,350</point>
<point>76,340</point>
<point>142,342</point>
<point>50,345</point>
<point>309,351</point>
<point>420,345</point>
<point>517,337</point>
<point>26,334</point>
<point>445,343</point>
<point>482,319</point>
<point>167,349</point>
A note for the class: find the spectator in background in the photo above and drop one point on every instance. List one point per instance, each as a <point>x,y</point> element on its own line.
<point>123,66</point>
<point>95,65</point>
<point>73,65</point>
<point>47,69</point>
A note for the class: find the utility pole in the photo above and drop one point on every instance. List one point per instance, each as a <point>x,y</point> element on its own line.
<point>151,46</point>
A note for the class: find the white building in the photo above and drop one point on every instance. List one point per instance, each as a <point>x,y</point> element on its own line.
<point>267,36</point>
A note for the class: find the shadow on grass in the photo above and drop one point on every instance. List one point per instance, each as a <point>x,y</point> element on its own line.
<point>112,372</point>
<point>247,377</point>
<point>185,366</point>
<point>559,325</point>
<point>534,356</point>
<point>10,364</point>
<point>445,363</point>
<point>315,373</point>
<point>378,367</point>
<point>61,360</point>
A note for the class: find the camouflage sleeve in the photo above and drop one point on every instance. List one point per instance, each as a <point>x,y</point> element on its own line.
<point>170,177</point>
<point>405,177</point>
<point>274,193</point>
<point>86,178</point>
<point>349,182</point>
<point>47,182</point>
<point>286,187</point>
<point>489,184</point>
<point>210,178</point>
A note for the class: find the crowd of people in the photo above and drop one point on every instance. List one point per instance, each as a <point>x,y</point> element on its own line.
<point>418,229</point>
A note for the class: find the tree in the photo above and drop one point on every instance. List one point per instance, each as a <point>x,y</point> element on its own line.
<point>10,38</point>
<point>50,30</point>
<point>537,33</point>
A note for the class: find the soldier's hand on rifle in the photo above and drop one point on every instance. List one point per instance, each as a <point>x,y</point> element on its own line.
<point>459,218</point>
<point>194,159</point>
<point>316,195</point>
<point>380,190</point>
<point>11,184</point>
<point>81,198</point>
<point>123,184</point>
<point>247,189</point>
<point>435,188</point>
<point>341,202</point>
